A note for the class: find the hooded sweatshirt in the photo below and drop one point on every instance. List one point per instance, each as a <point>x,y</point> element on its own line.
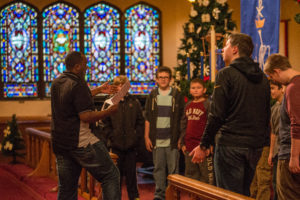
<point>240,108</point>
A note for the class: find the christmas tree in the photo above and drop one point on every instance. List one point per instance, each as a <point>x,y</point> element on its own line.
<point>12,141</point>
<point>204,14</point>
<point>297,16</point>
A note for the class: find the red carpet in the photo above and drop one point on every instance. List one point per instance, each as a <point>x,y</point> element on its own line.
<point>15,185</point>
<point>12,188</point>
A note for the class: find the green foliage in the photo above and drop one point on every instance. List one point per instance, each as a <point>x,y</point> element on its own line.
<point>297,16</point>
<point>203,14</point>
<point>12,141</point>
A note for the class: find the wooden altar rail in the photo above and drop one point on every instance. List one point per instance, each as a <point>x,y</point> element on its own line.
<point>40,156</point>
<point>198,190</point>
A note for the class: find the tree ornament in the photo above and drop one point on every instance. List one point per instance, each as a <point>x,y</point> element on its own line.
<point>179,62</point>
<point>199,30</point>
<point>182,52</point>
<point>205,17</point>
<point>215,13</point>
<point>177,76</point>
<point>190,41</point>
<point>222,2</point>
<point>225,24</point>
<point>203,2</point>
<point>191,28</point>
<point>194,13</point>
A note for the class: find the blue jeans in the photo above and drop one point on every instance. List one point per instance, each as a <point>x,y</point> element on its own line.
<point>96,160</point>
<point>166,161</point>
<point>235,167</point>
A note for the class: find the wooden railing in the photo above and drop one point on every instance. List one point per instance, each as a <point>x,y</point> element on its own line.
<point>40,156</point>
<point>197,190</point>
<point>25,122</point>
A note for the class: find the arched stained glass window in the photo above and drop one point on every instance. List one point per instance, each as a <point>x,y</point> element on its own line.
<point>19,50</point>
<point>142,46</point>
<point>60,35</point>
<point>102,43</point>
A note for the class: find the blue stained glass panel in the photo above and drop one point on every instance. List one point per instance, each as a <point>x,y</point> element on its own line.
<point>102,42</point>
<point>19,52</point>
<point>60,35</point>
<point>142,45</point>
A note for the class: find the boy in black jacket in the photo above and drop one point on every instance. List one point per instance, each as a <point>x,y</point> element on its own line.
<point>124,128</point>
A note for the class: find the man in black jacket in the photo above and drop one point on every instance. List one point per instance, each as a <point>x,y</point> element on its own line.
<point>240,112</point>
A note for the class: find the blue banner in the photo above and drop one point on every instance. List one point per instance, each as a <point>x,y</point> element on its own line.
<point>260,19</point>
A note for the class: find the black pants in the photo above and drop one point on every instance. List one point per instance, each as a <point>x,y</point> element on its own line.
<point>127,167</point>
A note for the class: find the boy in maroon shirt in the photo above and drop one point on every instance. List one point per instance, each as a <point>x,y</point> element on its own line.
<point>192,126</point>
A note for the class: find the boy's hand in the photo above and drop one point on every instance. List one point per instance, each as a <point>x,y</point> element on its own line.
<point>183,148</point>
<point>106,88</point>
<point>294,165</point>
<point>198,155</point>
<point>270,162</point>
<point>179,144</point>
<point>148,144</point>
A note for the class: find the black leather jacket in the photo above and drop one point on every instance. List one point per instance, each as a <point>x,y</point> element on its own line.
<point>125,128</point>
<point>240,107</point>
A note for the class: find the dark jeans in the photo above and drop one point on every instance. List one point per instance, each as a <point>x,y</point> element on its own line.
<point>96,160</point>
<point>127,167</point>
<point>235,167</point>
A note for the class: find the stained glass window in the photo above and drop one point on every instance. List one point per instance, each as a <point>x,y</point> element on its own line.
<point>19,50</point>
<point>142,46</point>
<point>60,35</point>
<point>102,43</point>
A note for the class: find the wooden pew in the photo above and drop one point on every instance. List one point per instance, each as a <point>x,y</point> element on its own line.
<point>198,190</point>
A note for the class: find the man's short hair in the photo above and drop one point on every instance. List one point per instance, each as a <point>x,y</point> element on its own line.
<point>198,80</point>
<point>73,58</point>
<point>276,61</point>
<point>243,42</point>
<point>272,82</point>
<point>120,80</point>
<point>164,69</point>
